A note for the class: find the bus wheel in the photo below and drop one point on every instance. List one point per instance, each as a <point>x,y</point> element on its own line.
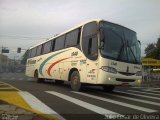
<point>75,81</point>
<point>108,88</point>
<point>59,82</point>
<point>39,80</point>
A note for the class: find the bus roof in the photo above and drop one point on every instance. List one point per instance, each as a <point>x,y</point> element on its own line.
<point>77,26</point>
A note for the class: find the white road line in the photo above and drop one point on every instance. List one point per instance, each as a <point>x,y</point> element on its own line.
<point>157,98</point>
<point>38,105</point>
<point>20,79</point>
<point>29,79</point>
<point>150,90</point>
<point>12,78</point>
<point>138,87</point>
<point>118,103</point>
<point>155,88</point>
<point>134,99</point>
<point>83,104</point>
<point>143,92</point>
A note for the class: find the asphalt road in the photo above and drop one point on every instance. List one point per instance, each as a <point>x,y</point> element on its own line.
<point>92,103</point>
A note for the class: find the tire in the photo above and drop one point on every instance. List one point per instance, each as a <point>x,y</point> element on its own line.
<point>59,82</point>
<point>108,88</point>
<point>39,80</point>
<point>75,81</point>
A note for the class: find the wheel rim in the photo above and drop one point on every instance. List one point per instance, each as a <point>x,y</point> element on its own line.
<point>75,81</point>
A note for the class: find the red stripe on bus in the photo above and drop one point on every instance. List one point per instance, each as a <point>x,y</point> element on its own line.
<point>53,64</point>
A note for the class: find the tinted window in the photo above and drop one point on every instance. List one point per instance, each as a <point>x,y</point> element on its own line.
<point>59,43</point>
<point>33,52</point>
<point>53,45</point>
<point>90,29</point>
<point>47,47</point>
<point>29,54</point>
<point>72,38</point>
<point>39,49</point>
<point>90,41</point>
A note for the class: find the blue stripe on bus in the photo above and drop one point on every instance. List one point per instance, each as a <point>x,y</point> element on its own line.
<point>46,60</point>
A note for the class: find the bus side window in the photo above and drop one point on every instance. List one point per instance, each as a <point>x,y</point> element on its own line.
<point>33,52</point>
<point>39,49</point>
<point>53,45</point>
<point>90,41</point>
<point>29,53</point>
<point>59,43</point>
<point>47,47</point>
<point>72,38</point>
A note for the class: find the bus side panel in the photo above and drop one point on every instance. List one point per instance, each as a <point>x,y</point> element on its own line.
<point>30,67</point>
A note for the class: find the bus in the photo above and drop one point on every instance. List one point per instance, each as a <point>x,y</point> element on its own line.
<point>96,52</point>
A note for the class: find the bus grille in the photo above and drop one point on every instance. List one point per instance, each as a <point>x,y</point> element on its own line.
<point>125,80</point>
<point>127,74</point>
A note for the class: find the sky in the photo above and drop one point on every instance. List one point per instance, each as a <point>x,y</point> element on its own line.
<point>24,23</point>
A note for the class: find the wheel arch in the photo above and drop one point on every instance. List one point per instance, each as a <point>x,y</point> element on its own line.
<point>35,71</point>
<point>71,71</point>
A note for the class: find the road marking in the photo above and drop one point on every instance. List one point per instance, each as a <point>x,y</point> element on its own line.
<point>150,90</point>
<point>155,88</point>
<point>143,92</point>
<point>29,79</point>
<point>138,87</point>
<point>134,99</point>
<point>10,86</point>
<point>36,104</point>
<point>12,78</point>
<point>117,102</point>
<point>20,79</point>
<point>83,104</point>
<point>157,98</point>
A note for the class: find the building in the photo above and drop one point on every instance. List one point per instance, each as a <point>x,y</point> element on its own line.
<point>151,69</point>
<point>3,63</point>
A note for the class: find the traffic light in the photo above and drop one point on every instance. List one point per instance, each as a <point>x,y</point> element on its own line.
<point>18,50</point>
<point>5,50</point>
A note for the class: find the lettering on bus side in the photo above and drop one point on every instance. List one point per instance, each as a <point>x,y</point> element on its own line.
<point>82,62</point>
<point>114,63</point>
<point>74,53</point>
<point>31,61</point>
<point>39,59</point>
<point>136,67</point>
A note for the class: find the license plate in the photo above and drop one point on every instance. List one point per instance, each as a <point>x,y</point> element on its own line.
<point>125,84</point>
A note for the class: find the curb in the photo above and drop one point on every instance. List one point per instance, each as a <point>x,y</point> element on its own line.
<point>11,100</point>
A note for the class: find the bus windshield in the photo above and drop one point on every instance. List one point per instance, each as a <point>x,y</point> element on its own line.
<point>119,43</point>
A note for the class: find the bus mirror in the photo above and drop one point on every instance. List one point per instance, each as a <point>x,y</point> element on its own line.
<point>101,45</point>
<point>139,42</point>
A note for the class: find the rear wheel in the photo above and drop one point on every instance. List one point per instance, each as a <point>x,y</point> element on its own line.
<point>75,81</point>
<point>39,80</point>
<point>108,88</point>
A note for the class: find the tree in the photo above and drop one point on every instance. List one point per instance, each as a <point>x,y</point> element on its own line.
<point>24,57</point>
<point>153,50</point>
<point>150,50</point>
<point>158,49</point>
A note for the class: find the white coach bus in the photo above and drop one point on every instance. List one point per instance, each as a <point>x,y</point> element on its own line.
<point>96,52</point>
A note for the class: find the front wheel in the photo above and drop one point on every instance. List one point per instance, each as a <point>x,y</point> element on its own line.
<point>75,81</point>
<point>108,88</point>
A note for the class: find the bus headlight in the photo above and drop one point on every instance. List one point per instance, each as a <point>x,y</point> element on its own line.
<point>139,81</point>
<point>109,69</point>
<point>139,73</point>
